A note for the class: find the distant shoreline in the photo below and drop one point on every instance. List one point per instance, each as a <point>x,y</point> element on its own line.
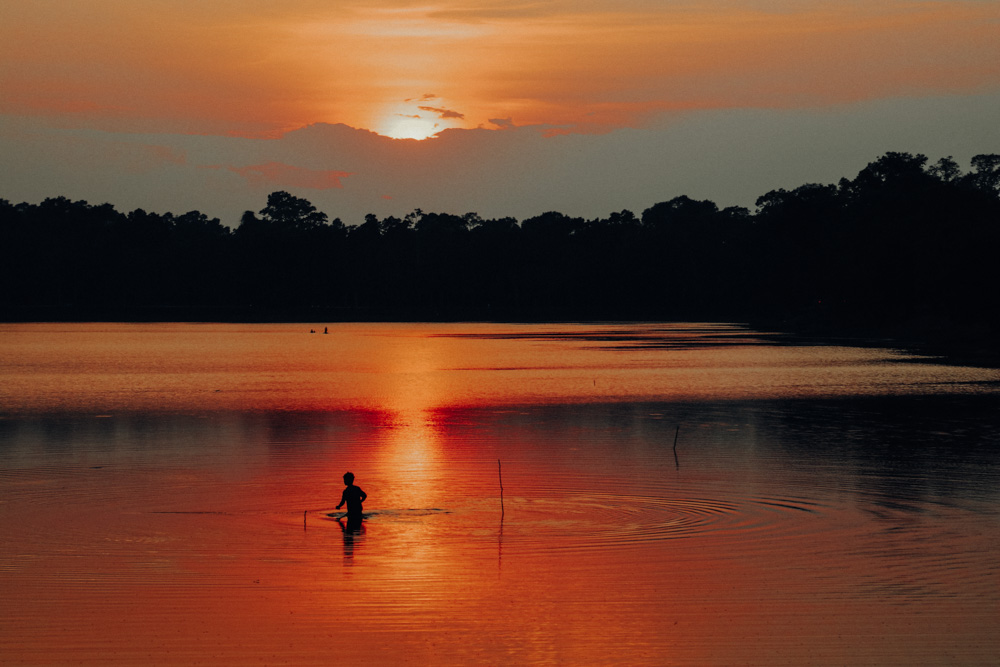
<point>905,252</point>
<point>965,344</point>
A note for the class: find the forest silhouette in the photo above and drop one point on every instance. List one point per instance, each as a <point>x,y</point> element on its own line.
<point>906,243</point>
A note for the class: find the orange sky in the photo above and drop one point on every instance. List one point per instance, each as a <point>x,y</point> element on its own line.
<point>253,66</point>
<point>603,105</point>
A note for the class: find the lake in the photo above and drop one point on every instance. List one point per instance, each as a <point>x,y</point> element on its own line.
<point>634,494</point>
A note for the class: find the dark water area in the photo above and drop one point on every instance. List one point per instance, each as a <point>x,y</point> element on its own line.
<point>718,501</point>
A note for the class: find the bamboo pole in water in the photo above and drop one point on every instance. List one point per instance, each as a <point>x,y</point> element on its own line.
<point>500,474</point>
<point>677,462</point>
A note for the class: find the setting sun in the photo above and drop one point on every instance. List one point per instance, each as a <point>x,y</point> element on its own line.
<point>408,127</point>
<point>418,118</point>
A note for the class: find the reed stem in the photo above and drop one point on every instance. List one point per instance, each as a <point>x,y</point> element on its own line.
<point>500,474</point>
<point>677,462</point>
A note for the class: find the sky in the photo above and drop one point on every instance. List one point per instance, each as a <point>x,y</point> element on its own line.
<point>459,106</point>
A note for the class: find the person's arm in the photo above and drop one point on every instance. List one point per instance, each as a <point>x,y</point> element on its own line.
<point>364,496</point>
<point>343,499</point>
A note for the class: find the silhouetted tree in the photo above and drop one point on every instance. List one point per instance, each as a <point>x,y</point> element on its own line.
<point>696,256</point>
<point>986,172</point>
<point>495,248</point>
<point>905,241</point>
<point>287,211</point>
<point>291,256</point>
<point>552,270</point>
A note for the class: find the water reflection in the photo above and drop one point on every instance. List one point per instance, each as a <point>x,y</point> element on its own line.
<point>776,516</point>
<point>409,458</point>
<point>855,526</point>
<point>156,368</point>
<point>353,530</point>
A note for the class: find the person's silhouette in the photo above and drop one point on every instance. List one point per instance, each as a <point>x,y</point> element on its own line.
<point>353,496</point>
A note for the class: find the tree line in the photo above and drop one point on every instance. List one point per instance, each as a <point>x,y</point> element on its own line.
<point>904,241</point>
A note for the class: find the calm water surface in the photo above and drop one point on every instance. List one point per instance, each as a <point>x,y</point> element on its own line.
<point>166,494</point>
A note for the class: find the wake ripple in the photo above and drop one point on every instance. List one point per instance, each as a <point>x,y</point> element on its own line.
<point>607,521</point>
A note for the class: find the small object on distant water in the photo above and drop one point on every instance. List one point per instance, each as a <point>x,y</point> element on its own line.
<point>326,330</point>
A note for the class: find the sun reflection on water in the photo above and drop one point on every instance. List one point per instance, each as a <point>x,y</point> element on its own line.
<point>408,456</point>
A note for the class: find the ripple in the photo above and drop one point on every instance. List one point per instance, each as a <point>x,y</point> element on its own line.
<point>605,521</point>
<point>394,514</point>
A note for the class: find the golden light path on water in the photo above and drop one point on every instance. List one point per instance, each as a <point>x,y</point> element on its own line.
<point>166,491</point>
<point>108,368</point>
<point>411,449</point>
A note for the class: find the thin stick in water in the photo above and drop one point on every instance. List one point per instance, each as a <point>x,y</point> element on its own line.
<point>500,474</point>
<point>676,460</point>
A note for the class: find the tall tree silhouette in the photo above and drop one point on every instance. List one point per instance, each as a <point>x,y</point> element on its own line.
<point>904,243</point>
<point>290,257</point>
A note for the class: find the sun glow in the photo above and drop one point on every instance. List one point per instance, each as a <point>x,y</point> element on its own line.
<point>409,127</point>
<point>419,117</point>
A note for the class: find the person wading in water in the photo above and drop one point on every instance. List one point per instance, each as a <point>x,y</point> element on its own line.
<point>353,496</point>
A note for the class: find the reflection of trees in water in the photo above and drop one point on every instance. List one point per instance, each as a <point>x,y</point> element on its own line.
<point>896,450</point>
<point>885,449</point>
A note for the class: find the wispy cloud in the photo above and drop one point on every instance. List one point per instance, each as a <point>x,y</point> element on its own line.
<point>443,113</point>
<point>503,123</point>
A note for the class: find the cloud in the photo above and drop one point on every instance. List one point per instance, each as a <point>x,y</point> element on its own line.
<point>272,174</point>
<point>730,157</point>
<point>167,155</point>
<point>147,65</point>
<point>443,113</point>
<point>533,10</point>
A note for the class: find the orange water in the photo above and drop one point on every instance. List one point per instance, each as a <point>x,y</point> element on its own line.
<point>165,493</point>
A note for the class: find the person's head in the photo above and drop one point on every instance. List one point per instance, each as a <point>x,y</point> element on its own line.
<point>348,478</point>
